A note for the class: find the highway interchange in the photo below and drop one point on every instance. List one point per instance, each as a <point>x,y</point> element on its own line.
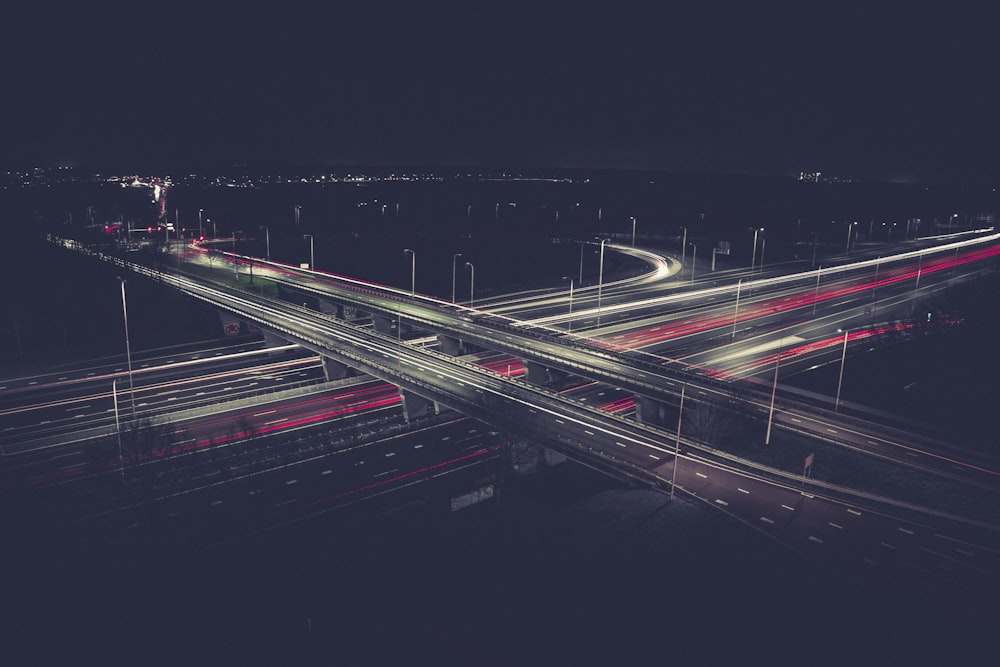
<point>654,328</point>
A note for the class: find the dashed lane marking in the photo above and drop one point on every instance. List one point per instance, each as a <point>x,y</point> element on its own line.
<point>742,490</point>
<point>813,538</point>
<point>766,520</point>
<point>837,526</point>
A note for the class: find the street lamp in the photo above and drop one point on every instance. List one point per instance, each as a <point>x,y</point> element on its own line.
<point>684,244</point>
<point>736,312</point>
<point>633,231</point>
<point>298,209</point>
<point>413,271</point>
<point>312,256</point>
<point>118,427</point>
<point>816,293</point>
<point>569,322</point>
<point>582,244</point>
<point>454,266</point>
<point>201,228</point>
<point>694,260</point>
<point>472,283</point>
<point>267,240</point>
<point>850,228</point>
<point>753,255</point>
<point>763,243</point>
<point>128,350</point>
<point>840,380</point>
<point>774,389</point>
<point>600,282</point>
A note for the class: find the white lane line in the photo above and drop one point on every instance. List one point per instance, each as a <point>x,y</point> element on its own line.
<point>290,482</point>
<point>791,509</point>
<point>905,530</point>
<point>266,412</point>
<point>326,472</point>
<point>965,553</point>
<point>872,442</point>
<point>808,495</point>
<point>742,490</point>
<point>887,546</point>
<point>559,421</point>
<point>766,520</point>
<point>286,502</point>
<point>619,444</point>
<point>702,475</point>
<point>854,512</point>
<point>216,502</point>
<point>588,432</point>
<point>799,421</point>
<point>276,421</point>
<point>418,446</point>
<point>815,539</point>
<point>720,501</point>
<point>913,454</point>
<point>387,472</point>
<point>390,454</point>
<point>655,458</point>
<point>80,407</point>
<point>835,525</point>
<point>830,430</point>
<point>869,561</point>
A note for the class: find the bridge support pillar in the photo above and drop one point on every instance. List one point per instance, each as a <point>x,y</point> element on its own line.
<point>383,324</point>
<point>536,373</point>
<point>415,406</point>
<point>653,412</point>
<point>272,340</point>
<point>451,346</point>
<point>230,323</point>
<point>335,370</point>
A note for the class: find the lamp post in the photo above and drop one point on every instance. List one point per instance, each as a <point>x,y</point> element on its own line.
<point>815,242</point>
<point>694,260</point>
<point>763,243</point>
<point>582,244</point>
<point>298,210</point>
<point>118,427</point>
<point>633,231</point>
<point>850,228</point>
<point>840,380</point>
<point>128,351</point>
<point>569,322</point>
<point>312,256</point>
<point>454,266</point>
<point>677,443</point>
<point>684,244</point>
<point>413,271</point>
<point>600,282</point>
<point>736,312</point>
<point>201,228</point>
<point>753,255</point>
<point>472,283</point>
<point>267,241</point>
<point>816,293</point>
<point>774,389</point>
<point>235,264</point>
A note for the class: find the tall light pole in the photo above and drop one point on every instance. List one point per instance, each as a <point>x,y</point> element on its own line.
<point>582,245</point>
<point>684,244</point>
<point>753,255</point>
<point>677,442</point>
<point>737,311</point>
<point>850,228</point>
<point>235,265</point>
<point>815,242</point>
<point>600,282</point>
<point>298,210</point>
<point>763,243</point>
<point>633,231</point>
<point>816,293</point>
<point>472,283</point>
<point>312,256</point>
<point>118,427</point>
<point>694,260</point>
<point>413,271</point>
<point>128,351</point>
<point>569,322</point>
<point>201,228</point>
<point>840,380</point>
<point>774,389</point>
<point>267,241</point>
<point>454,267</point>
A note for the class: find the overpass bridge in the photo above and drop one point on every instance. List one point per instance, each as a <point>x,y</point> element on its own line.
<point>429,379</point>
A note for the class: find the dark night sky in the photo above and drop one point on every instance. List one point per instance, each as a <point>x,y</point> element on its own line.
<point>907,93</point>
